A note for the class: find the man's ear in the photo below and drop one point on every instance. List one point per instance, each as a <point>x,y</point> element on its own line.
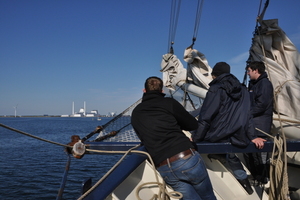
<point>144,90</point>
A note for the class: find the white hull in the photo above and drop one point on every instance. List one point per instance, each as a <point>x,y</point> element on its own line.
<point>225,186</point>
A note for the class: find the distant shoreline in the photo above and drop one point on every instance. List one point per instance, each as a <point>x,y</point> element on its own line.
<point>12,116</point>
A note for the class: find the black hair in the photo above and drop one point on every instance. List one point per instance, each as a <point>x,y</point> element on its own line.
<point>257,65</point>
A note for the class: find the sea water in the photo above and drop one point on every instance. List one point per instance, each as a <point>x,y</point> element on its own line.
<point>33,169</point>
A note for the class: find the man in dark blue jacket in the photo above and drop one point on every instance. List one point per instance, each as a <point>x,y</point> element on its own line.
<point>261,96</point>
<point>225,117</point>
<point>158,122</point>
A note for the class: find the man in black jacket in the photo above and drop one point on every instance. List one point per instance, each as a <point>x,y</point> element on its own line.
<point>261,95</point>
<point>158,122</point>
<point>225,117</point>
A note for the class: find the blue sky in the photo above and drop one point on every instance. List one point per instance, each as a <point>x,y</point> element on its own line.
<point>54,52</point>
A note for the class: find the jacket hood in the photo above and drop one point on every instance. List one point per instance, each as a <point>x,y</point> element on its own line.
<point>230,84</point>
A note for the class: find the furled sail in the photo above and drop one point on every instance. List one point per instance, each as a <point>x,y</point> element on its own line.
<point>198,70</point>
<point>194,79</point>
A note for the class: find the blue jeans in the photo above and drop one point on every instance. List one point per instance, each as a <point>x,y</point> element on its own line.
<point>236,166</point>
<point>189,177</point>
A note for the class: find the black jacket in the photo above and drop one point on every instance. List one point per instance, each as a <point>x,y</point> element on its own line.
<point>158,122</point>
<point>225,114</point>
<point>261,95</point>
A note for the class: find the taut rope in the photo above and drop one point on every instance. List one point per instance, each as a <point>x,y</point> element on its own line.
<point>175,8</point>
<point>33,136</point>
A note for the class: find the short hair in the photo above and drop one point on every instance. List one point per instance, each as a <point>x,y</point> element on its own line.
<point>153,83</point>
<point>257,65</point>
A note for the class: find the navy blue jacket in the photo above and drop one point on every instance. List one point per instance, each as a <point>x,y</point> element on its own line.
<point>261,95</point>
<point>225,115</point>
<point>158,122</point>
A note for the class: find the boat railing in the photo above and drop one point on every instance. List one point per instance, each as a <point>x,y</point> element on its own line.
<point>130,164</point>
<point>203,147</point>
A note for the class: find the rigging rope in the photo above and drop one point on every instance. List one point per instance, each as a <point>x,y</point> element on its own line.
<point>172,30</point>
<point>198,17</point>
<point>175,8</point>
<point>27,134</point>
<point>111,134</point>
<point>112,120</point>
<point>195,33</point>
<point>197,22</point>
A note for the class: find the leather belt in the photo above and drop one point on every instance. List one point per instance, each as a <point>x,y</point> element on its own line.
<point>176,157</point>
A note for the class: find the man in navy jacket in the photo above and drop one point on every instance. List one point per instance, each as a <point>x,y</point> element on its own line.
<point>261,96</point>
<point>225,117</point>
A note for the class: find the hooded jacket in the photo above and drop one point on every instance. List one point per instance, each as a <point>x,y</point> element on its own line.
<point>261,95</point>
<point>158,122</point>
<point>225,114</point>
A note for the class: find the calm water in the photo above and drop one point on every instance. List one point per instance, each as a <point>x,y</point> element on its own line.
<point>33,169</point>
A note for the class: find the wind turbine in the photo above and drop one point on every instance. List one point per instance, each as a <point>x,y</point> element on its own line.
<point>15,107</point>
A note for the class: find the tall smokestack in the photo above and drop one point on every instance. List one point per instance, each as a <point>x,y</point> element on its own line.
<point>84,109</point>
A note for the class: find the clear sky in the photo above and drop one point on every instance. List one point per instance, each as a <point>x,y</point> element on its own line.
<point>54,52</point>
